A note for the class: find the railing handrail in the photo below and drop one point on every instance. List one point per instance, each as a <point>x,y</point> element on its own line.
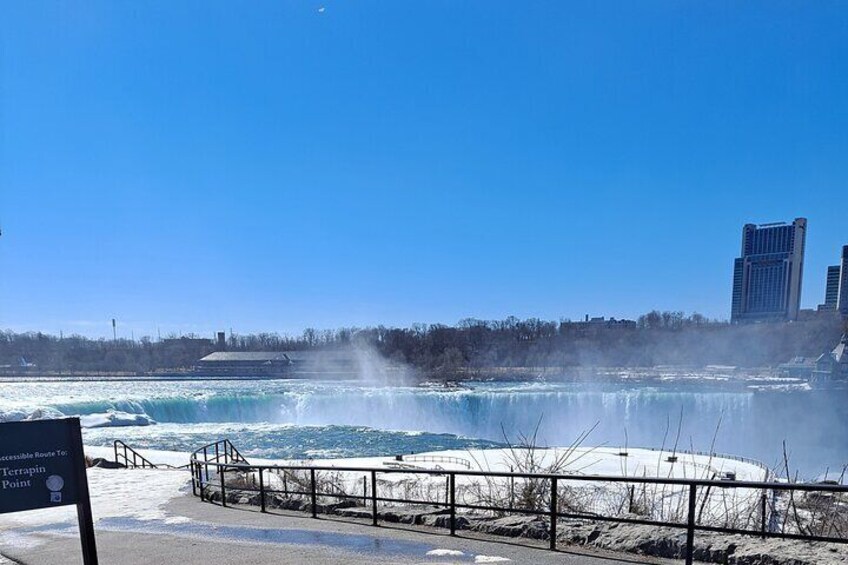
<point>438,459</point>
<point>518,475</point>
<point>145,462</point>
<point>229,451</point>
<point>200,468</point>
<point>136,456</point>
<point>740,458</point>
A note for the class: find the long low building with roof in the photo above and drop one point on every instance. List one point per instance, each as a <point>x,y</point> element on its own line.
<point>277,363</point>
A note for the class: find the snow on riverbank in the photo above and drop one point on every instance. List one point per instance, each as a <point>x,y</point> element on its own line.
<point>661,502</point>
<point>584,461</point>
<point>142,494</point>
<point>139,494</point>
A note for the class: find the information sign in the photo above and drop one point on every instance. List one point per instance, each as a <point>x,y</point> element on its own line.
<point>42,465</point>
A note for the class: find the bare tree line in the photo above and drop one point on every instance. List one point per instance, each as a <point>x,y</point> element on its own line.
<point>657,338</point>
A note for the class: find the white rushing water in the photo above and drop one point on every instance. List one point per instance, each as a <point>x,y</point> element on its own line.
<point>290,419</point>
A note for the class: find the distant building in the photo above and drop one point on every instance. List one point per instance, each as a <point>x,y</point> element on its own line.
<point>833,366</point>
<point>836,289</point>
<point>798,367</point>
<point>244,363</point>
<point>831,291</point>
<point>843,283</point>
<point>599,322</point>
<point>767,276</point>
<point>275,363</point>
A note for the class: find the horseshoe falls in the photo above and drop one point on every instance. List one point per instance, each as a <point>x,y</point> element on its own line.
<point>313,419</point>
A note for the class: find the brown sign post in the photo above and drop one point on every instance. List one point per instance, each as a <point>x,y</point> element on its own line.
<point>42,465</point>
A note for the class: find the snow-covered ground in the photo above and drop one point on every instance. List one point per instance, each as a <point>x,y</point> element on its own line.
<point>141,494</point>
<point>602,461</point>
<point>605,461</point>
<point>718,506</point>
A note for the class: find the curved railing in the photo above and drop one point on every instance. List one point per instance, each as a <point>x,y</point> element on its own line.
<point>767,472</point>
<point>209,482</point>
<point>436,459</point>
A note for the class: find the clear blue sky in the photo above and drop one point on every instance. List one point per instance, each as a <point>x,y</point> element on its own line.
<point>196,166</point>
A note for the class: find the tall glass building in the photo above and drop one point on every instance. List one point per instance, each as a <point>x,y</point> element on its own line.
<point>836,291</point>
<point>843,283</point>
<point>767,277</point>
<point>831,291</point>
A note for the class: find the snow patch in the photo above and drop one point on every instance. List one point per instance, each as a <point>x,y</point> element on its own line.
<point>115,493</point>
<point>114,419</point>
<point>444,553</point>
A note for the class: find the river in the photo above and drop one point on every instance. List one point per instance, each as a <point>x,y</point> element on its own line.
<point>316,419</point>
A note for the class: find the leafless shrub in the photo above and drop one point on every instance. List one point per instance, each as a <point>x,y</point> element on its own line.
<point>526,457</point>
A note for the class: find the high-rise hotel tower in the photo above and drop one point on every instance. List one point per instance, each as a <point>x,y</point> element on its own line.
<point>831,291</point>
<point>836,295</point>
<point>836,291</point>
<point>842,305</point>
<point>767,277</point>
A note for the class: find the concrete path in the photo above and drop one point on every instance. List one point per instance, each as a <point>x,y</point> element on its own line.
<point>196,533</point>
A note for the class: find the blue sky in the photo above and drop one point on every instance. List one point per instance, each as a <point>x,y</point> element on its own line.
<point>196,166</point>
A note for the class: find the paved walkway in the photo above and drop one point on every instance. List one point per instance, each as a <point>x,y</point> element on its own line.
<point>196,533</point>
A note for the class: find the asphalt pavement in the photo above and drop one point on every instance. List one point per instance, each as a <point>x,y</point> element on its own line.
<point>195,533</point>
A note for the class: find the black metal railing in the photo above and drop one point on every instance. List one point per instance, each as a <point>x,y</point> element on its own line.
<point>692,494</point>
<point>132,459</point>
<point>450,460</point>
<point>219,455</point>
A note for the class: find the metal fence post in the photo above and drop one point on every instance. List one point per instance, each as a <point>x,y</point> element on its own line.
<point>374,497</point>
<point>690,525</point>
<point>453,504</point>
<point>314,495</point>
<point>193,478</point>
<point>763,504</point>
<point>553,512</point>
<point>223,490</point>
<point>261,490</point>
<point>200,482</point>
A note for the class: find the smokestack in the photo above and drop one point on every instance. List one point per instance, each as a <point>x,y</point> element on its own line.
<point>222,341</point>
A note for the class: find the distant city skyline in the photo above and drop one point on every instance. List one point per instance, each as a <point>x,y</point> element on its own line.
<point>189,170</point>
